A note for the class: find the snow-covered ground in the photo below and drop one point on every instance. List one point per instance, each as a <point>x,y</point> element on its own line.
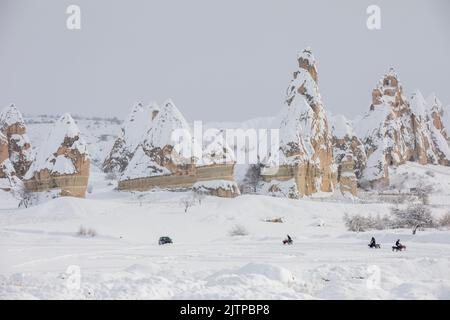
<point>124,260</point>
<point>39,246</point>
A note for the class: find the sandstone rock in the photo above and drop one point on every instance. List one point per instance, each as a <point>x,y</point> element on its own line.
<point>13,127</point>
<point>306,151</point>
<point>62,162</point>
<point>8,177</point>
<point>395,131</point>
<point>347,147</point>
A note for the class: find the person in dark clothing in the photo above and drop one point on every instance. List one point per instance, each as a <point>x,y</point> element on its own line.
<point>372,242</point>
<point>288,240</point>
<point>398,244</point>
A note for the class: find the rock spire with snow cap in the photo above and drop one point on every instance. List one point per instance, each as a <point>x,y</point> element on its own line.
<point>13,127</point>
<point>306,150</point>
<point>62,162</point>
<point>131,134</point>
<point>395,131</point>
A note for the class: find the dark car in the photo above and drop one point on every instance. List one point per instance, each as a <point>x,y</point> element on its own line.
<point>164,240</point>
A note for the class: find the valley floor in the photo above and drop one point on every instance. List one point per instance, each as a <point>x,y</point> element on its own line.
<point>39,247</point>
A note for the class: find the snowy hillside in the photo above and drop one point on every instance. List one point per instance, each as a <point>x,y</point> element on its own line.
<point>124,261</point>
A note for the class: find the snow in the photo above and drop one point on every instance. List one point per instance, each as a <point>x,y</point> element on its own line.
<point>276,188</point>
<point>141,165</point>
<point>372,121</point>
<point>10,115</point>
<point>45,158</point>
<point>124,261</point>
<point>168,119</point>
<point>63,165</point>
<point>215,149</point>
<point>418,104</point>
<point>340,126</point>
<point>214,184</point>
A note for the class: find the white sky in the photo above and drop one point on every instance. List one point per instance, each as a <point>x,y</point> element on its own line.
<point>219,60</point>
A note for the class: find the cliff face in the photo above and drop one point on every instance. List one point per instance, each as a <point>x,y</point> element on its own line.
<point>396,130</point>
<point>13,128</point>
<point>62,162</point>
<point>305,137</point>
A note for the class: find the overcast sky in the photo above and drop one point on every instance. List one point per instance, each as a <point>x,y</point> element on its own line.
<point>219,60</point>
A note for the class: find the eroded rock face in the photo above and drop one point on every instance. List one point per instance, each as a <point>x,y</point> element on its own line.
<point>306,150</point>
<point>349,153</point>
<point>4,148</point>
<point>160,162</point>
<point>348,181</point>
<point>396,130</point>
<point>8,177</point>
<point>13,127</point>
<point>62,162</point>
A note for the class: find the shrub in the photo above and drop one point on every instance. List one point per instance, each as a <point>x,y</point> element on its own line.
<point>445,220</point>
<point>83,232</point>
<point>414,216</point>
<point>357,223</point>
<point>238,230</point>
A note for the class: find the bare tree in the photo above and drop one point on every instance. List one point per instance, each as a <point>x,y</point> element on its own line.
<point>252,178</point>
<point>238,230</point>
<point>187,202</point>
<point>423,192</point>
<point>415,216</point>
<point>198,196</point>
<point>445,220</point>
<point>27,198</point>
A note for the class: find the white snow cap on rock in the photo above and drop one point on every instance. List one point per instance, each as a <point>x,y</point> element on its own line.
<point>137,122</point>
<point>141,165</point>
<point>418,104</point>
<point>168,119</point>
<point>433,102</point>
<point>10,115</point>
<point>340,126</point>
<point>46,157</point>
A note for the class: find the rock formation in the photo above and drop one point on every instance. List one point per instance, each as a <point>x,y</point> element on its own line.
<point>8,177</point>
<point>306,151</point>
<point>161,161</point>
<point>131,134</point>
<point>395,131</point>
<point>62,162</point>
<point>349,154</point>
<point>13,127</point>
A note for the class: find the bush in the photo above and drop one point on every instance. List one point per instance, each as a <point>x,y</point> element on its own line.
<point>445,220</point>
<point>359,223</point>
<point>414,216</point>
<point>83,232</point>
<point>238,230</point>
